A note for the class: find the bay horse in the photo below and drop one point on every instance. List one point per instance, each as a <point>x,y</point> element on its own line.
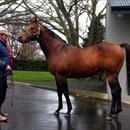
<point>68,61</point>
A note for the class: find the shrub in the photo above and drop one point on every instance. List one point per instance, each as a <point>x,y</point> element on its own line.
<point>30,65</point>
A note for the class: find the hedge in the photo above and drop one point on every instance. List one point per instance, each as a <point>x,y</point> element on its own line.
<point>30,65</point>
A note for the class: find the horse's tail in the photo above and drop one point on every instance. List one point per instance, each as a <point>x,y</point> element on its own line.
<point>127,49</point>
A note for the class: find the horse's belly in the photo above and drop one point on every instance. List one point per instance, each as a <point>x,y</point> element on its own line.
<point>81,73</point>
<point>80,69</point>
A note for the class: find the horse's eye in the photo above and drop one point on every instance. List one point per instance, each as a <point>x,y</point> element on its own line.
<point>32,28</point>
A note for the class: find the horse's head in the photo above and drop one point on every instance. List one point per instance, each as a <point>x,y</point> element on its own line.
<point>31,32</point>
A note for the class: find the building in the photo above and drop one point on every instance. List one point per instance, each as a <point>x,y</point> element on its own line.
<point>118,31</point>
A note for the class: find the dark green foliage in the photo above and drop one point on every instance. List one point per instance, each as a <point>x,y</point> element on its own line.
<point>99,32</point>
<point>30,65</point>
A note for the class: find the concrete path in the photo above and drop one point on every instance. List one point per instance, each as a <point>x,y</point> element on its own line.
<point>33,110</point>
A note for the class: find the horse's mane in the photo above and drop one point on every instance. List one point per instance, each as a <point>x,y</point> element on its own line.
<point>53,34</point>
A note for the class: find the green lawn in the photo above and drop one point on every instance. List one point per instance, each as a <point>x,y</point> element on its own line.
<point>32,75</point>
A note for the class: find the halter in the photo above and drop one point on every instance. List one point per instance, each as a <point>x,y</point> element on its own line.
<point>35,34</point>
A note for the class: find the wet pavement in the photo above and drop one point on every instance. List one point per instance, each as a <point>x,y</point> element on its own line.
<point>33,110</point>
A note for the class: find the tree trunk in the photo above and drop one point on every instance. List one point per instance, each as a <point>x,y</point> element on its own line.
<point>94,3</point>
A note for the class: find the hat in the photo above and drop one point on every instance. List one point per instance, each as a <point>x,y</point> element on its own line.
<point>4,31</point>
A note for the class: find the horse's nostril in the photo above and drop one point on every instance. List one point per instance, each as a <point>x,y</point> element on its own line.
<point>19,38</point>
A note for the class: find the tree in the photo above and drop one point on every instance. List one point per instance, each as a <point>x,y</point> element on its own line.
<point>63,16</point>
<point>28,51</point>
<point>98,32</point>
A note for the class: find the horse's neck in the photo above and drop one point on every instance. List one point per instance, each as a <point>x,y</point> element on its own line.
<point>48,44</point>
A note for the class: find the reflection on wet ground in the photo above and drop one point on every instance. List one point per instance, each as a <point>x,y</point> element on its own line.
<point>33,110</point>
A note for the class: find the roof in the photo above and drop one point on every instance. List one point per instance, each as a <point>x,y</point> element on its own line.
<point>119,5</point>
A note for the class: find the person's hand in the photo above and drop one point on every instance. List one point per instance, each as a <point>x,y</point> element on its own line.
<point>8,68</point>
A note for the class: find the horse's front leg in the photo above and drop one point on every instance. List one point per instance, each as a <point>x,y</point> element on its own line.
<point>59,93</point>
<point>62,87</point>
<point>66,94</point>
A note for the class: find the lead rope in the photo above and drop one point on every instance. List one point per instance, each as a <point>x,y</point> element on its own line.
<point>12,85</point>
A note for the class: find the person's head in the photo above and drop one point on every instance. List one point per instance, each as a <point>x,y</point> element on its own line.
<point>3,34</point>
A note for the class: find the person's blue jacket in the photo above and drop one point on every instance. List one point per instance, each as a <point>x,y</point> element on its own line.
<point>4,59</point>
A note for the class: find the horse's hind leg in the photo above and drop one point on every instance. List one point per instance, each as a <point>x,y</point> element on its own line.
<point>119,105</point>
<point>62,87</point>
<point>116,95</point>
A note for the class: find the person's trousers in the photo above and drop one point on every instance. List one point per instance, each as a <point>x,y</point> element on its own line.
<point>3,89</point>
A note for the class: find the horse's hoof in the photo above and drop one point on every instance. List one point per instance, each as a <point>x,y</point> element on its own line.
<point>115,115</point>
<point>108,118</point>
<point>119,110</point>
<point>67,115</point>
<point>56,113</point>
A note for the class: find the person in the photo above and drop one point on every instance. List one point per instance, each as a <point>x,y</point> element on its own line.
<point>5,69</point>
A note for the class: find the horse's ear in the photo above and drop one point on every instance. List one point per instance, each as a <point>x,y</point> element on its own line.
<point>34,20</point>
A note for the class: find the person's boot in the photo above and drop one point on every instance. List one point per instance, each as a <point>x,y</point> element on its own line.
<point>4,114</point>
<point>3,118</point>
<point>1,113</point>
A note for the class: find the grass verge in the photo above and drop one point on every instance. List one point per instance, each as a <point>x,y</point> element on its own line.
<point>32,75</point>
